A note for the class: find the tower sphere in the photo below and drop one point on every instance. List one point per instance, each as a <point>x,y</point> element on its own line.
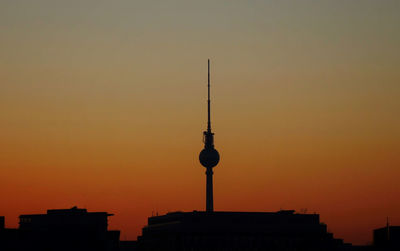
<point>209,157</point>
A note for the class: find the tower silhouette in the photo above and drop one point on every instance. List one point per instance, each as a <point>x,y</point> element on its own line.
<point>209,157</point>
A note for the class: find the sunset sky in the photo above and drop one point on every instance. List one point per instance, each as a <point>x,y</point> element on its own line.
<point>103,104</point>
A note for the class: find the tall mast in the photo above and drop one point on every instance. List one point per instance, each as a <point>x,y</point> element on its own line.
<point>208,100</point>
<point>209,156</point>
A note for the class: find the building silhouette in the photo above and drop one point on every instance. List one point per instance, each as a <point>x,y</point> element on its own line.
<point>8,237</point>
<point>77,229</point>
<point>387,238</point>
<point>282,230</point>
<point>61,229</point>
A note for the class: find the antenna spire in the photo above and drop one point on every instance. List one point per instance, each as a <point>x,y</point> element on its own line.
<point>208,100</point>
<point>387,228</point>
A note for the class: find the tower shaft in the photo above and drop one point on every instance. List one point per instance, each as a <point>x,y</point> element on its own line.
<point>209,191</point>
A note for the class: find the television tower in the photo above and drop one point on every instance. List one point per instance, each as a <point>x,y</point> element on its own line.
<point>209,157</point>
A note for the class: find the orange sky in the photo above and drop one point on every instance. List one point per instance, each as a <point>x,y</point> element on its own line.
<point>102,105</point>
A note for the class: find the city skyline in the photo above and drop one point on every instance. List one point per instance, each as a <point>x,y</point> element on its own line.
<point>100,100</point>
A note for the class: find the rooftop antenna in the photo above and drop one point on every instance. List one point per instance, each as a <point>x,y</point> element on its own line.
<point>387,228</point>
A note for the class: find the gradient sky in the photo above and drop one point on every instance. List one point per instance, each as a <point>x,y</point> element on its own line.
<point>103,104</point>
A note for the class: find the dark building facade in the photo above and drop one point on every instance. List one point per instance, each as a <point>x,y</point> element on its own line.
<point>127,245</point>
<point>283,230</point>
<point>387,238</point>
<point>67,229</point>
<point>8,236</point>
<point>59,230</point>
